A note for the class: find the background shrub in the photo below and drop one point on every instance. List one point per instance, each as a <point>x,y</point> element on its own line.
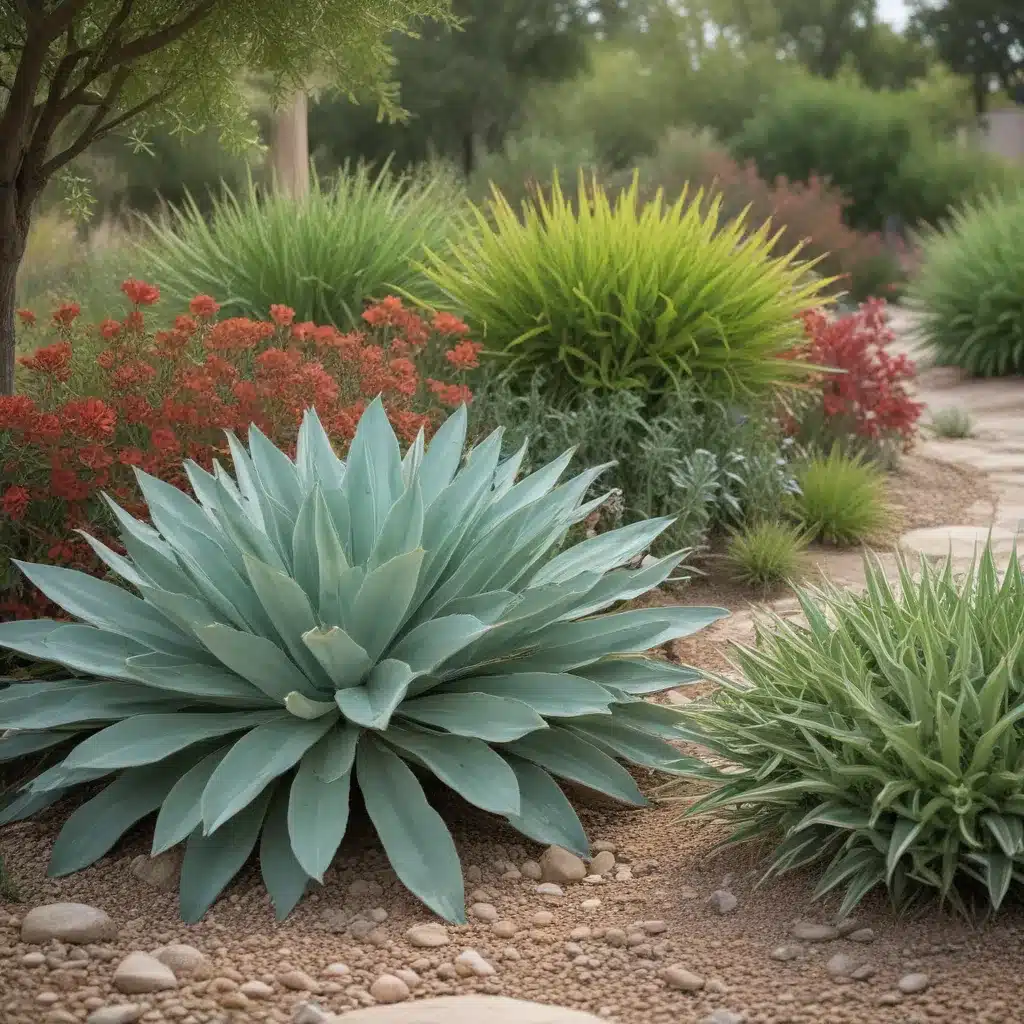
<point>100,400</point>
<point>766,553</point>
<point>701,461</point>
<point>323,256</point>
<point>883,741</point>
<point>614,295</point>
<point>970,288</point>
<point>841,499</point>
<point>952,422</point>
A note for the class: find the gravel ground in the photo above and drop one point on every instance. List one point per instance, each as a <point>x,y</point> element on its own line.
<point>673,933</point>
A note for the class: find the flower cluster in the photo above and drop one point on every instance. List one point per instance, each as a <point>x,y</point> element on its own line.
<point>867,396</point>
<point>101,400</point>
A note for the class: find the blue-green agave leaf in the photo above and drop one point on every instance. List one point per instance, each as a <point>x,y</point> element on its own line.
<point>317,816</point>
<point>478,715</point>
<point>545,814</point>
<point>282,874</point>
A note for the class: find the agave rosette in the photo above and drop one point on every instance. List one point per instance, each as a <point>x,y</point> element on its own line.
<point>310,626</point>
<point>883,739</point>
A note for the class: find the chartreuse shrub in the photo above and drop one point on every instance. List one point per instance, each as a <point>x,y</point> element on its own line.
<point>766,553</point>
<point>323,255</point>
<point>970,288</point>
<point>841,499</point>
<point>627,296</point>
<point>312,627</point>
<point>882,740</point>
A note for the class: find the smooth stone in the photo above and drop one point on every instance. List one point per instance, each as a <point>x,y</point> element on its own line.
<point>161,871</point>
<point>960,542</point>
<point>121,1013</point>
<point>532,870</point>
<point>862,935</point>
<point>484,912</point>
<point>560,865</point>
<point>808,931</point>
<point>180,958</point>
<point>428,936</point>
<point>786,952</point>
<point>604,846</point>
<point>139,972</point>
<point>678,977</point>
<point>389,989</point>
<point>298,981</point>
<point>76,923</point>
<point>504,929</point>
<point>468,1009</point>
<point>602,863</point>
<point>843,965</point>
<point>256,990</point>
<point>723,901</point>
<point>549,889</point>
<point>910,984</point>
<point>723,1017</point>
<point>470,963</point>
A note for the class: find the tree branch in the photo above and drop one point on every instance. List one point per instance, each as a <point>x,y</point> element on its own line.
<point>94,130</point>
<point>61,19</point>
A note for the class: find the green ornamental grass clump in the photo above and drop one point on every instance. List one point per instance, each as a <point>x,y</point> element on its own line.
<point>324,255</point>
<point>313,627</point>
<point>767,553</point>
<point>969,289</point>
<point>841,499</point>
<point>627,296</point>
<point>883,740</point>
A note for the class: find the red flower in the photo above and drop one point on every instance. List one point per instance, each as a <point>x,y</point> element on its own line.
<point>237,334</point>
<point>89,417</point>
<point>185,324</point>
<point>282,315</point>
<point>450,394</point>
<point>135,321</point>
<point>204,307</point>
<point>95,456</point>
<point>164,440</point>
<point>140,293</point>
<point>53,360</point>
<point>16,412</point>
<point>15,502</point>
<point>110,329</point>
<point>65,316</point>
<point>464,356</point>
<point>448,324</point>
<point>27,317</point>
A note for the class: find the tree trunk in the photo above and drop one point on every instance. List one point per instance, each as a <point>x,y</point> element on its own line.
<point>980,91</point>
<point>289,147</point>
<point>468,153</point>
<point>14,224</point>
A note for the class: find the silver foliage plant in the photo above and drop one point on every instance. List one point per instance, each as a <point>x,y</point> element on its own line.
<point>310,626</point>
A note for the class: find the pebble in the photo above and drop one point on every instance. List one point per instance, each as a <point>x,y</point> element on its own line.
<point>34,959</point>
<point>910,984</point>
<point>678,977</point>
<point>336,970</point>
<point>76,923</point>
<point>532,870</point>
<point>843,965</point>
<point>180,958</point>
<point>602,863</point>
<point>256,990</point>
<point>623,873</point>
<point>890,998</point>
<point>410,977</point>
<point>549,889</point>
<point>862,935</point>
<point>561,865</point>
<point>808,931</point>
<point>723,901</point>
<point>604,846</point>
<point>590,905</point>
<point>789,951</point>
<point>161,871</point>
<point>389,989</point>
<point>484,912</point>
<point>140,972</point>
<point>298,981</point>
<point>543,918</point>
<point>654,927</point>
<point>428,936</point>
<point>504,929</point>
<point>581,933</point>
<point>615,937</point>
<point>469,963</point>
<point>365,887</point>
<point>122,1013</point>
<point>310,1013</point>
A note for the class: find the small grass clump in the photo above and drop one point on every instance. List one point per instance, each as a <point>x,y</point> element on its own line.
<point>954,423</point>
<point>767,553</point>
<point>841,499</point>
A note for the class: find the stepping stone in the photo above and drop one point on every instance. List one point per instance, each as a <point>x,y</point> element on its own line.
<point>960,542</point>
<point>466,1010</point>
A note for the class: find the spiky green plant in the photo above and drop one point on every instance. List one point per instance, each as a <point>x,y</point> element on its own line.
<point>623,296</point>
<point>313,626</point>
<point>841,498</point>
<point>882,739</point>
<point>324,254</point>
<point>969,288</point>
<point>767,553</point>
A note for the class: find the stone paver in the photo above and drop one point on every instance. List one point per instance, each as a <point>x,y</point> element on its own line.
<point>466,1010</point>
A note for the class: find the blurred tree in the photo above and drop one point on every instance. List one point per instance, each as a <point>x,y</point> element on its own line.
<point>980,39</point>
<point>72,71</point>
<point>463,89</point>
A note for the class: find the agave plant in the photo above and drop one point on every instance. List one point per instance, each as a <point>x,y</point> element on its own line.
<point>313,625</point>
<point>883,739</point>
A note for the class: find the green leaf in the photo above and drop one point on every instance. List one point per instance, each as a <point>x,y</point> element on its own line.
<point>87,649</point>
<point>344,661</point>
<point>414,837</point>
<point>619,740</point>
<point>49,705</point>
<point>144,739</point>
<point>372,704</point>
<point>276,473</point>
<point>443,456</point>
<point>382,602</point>
<point>334,755</point>
<point>479,715</point>
<point>182,811</point>
<point>14,745</point>
<point>429,645</point>
<point>561,753</point>
<point>168,674</point>
<point>302,707</point>
<point>314,455</point>
<point>283,875</point>
<point>211,861</point>
<point>545,815</point>
<point>253,762</point>
<point>639,675</point>
<point>317,816</point>
<point>402,531</point>
<point>468,766</point>
<point>904,832</point>
<point>549,693</point>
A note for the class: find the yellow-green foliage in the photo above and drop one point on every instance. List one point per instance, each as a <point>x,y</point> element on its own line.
<point>622,295</point>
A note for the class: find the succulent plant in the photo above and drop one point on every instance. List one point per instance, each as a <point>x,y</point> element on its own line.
<point>881,740</point>
<point>315,625</point>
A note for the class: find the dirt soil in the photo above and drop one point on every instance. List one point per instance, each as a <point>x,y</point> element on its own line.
<point>599,947</point>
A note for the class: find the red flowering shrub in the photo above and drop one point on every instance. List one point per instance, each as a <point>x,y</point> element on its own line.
<point>866,400</point>
<point>98,401</point>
